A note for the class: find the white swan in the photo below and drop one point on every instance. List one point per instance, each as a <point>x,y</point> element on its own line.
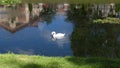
<point>57,35</point>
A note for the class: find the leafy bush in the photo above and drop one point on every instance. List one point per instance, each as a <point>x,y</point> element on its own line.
<point>108,20</point>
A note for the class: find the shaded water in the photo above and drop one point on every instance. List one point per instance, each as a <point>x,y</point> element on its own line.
<point>99,39</point>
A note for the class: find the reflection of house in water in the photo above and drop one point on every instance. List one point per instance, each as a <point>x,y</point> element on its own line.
<point>14,21</point>
<point>104,9</point>
<point>35,23</point>
<point>4,14</point>
<point>15,17</point>
<point>40,8</point>
<point>62,8</point>
<point>36,9</point>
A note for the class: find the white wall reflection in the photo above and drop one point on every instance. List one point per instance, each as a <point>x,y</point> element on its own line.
<point>63,41</point>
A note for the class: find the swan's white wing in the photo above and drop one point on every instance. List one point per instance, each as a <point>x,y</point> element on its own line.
<point>59,35</point>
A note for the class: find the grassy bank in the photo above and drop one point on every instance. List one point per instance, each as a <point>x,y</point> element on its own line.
<point>25,61</point>
<point>73,1</point>
<point>58,1</point>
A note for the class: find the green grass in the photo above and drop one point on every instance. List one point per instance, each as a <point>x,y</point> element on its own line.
<point>58,1</point>
<point>73,1</point>
<point>25,61</point>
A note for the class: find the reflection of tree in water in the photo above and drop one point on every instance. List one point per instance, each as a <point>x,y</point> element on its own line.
<point>96,40</point>
<point>48,18</point>
<point>30,7</point>
<point>45,14</point>
<point>90,39</point>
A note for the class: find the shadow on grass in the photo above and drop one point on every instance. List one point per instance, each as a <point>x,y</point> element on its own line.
<point>53,65</point>
<point>95,62</point>
<point>32,65</point>
<point>35,65</point>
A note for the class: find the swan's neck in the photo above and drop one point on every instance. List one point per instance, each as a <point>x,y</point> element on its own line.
<point>53,36</point>
<point>54,33</point>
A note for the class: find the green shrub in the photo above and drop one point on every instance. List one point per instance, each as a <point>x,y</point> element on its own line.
<point>108,20</point>
<point>9,1</point>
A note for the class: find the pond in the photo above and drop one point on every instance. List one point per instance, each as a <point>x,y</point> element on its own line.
<point>28,28</point>
<point>34,36</point>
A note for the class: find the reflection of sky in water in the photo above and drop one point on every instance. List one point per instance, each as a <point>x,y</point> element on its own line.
<point>33,40</point>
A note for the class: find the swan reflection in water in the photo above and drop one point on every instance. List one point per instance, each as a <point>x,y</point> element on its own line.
<point>56,36</point>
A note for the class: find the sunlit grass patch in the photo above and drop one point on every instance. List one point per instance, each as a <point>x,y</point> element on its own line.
<point>27,61</point>
<point>108,20</point>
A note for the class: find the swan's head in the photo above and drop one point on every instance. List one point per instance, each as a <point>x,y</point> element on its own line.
<point>53,32</point>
